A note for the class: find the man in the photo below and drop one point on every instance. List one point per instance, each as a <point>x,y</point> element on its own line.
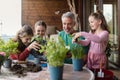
<point>68,23</point>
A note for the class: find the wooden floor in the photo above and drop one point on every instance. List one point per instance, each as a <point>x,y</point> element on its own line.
<point>116,73</point>
<point>115,70</point>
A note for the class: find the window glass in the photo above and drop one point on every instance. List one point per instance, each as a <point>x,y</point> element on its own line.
<point>110,14</point>
<point>109,11</point>
<point>10,17</point>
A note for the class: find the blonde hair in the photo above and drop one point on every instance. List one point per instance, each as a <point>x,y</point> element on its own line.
<point>41,23</point>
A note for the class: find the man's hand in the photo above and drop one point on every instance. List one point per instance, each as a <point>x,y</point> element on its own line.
<point>69,55</point>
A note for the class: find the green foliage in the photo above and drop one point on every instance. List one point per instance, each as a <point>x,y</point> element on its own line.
<point>9,47</point>
<point>39,40</point>
<point>110,47</point>
<point>1,59</point>
<point>55,52</point>
<point>2,42</point>
<point>77,51</point>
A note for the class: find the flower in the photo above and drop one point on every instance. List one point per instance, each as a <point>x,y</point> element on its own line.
<point>2,53</point>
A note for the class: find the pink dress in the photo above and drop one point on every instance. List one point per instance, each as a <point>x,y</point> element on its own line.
<point>96,54</point>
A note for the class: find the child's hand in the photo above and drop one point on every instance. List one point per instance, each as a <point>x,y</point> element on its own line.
<point>76,35</point>
<point>34,45</point>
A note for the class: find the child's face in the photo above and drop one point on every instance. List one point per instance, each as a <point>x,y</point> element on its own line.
<point>40,30</point>
<point>26,40</point>
<point>94,23</point>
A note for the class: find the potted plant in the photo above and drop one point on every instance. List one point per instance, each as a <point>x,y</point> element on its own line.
<point>9,47</point>
<point>55,54</point>
<point>1,60</point>
<point>1,54</point>
<point>77,55</point>
<point>111,49</point>
<point>37,55</point>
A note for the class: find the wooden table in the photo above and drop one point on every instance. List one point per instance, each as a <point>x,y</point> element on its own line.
<point>68,74</point>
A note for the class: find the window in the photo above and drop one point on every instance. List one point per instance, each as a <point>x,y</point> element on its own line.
<point>10,17</point>
<point>110,15</point>
<point>109,11</point>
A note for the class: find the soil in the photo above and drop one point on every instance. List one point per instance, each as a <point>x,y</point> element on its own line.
<point>19,70</point>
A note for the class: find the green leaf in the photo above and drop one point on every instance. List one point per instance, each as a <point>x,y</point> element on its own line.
<point>55,52</point>
<point>9,47</point>
<point>77,51</point>
<point>39,39</point>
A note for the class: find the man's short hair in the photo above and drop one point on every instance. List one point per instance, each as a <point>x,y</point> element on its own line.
<point>68,15</point>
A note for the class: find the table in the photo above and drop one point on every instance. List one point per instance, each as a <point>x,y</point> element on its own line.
<point>68,74</point>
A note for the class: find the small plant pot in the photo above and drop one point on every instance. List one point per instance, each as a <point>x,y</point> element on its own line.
<point>7,63</point>
<point>77,64</point>
<point>56,73</point>
<point>37,60</point>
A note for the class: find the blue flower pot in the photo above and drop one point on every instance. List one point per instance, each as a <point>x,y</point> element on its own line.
<point>37,60</point>
<point>77,64</point>
<point>56,73</point>
<point>7,63</point>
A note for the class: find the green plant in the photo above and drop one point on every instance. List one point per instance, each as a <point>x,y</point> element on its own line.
<point>9,47</point>
<point>55,52</point>
<point>110,47</point>
<point>2,41</point>
<point>41,41</point>
<point>38,39</point>
<point>77,51</point>
<point>1,59</point>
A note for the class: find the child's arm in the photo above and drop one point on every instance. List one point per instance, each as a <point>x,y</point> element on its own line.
<point>92,37</point>
<point>20,56</point>
<point>84,42</point>
<point>24,54</point>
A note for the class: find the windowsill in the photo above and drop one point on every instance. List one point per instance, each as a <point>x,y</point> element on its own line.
<point>6,37</point>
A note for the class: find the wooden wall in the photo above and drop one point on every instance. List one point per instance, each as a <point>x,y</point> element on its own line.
<point>33,10</point>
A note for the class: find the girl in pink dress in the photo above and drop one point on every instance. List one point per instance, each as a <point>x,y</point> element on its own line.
<point>97,38</point>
